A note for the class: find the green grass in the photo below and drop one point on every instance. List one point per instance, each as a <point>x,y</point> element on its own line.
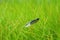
<point>14,14</point>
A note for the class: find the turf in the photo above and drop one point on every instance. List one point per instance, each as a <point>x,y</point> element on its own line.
<point>14,14</point>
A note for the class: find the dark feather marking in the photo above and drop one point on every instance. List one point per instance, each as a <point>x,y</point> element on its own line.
<point>34,21</point>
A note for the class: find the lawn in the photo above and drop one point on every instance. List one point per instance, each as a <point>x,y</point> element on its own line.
<point>14,14</point>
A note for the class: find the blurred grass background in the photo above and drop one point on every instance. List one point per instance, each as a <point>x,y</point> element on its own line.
<point>14,14</point>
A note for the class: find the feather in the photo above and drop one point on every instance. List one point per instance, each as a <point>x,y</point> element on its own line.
<point>32,22</point>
